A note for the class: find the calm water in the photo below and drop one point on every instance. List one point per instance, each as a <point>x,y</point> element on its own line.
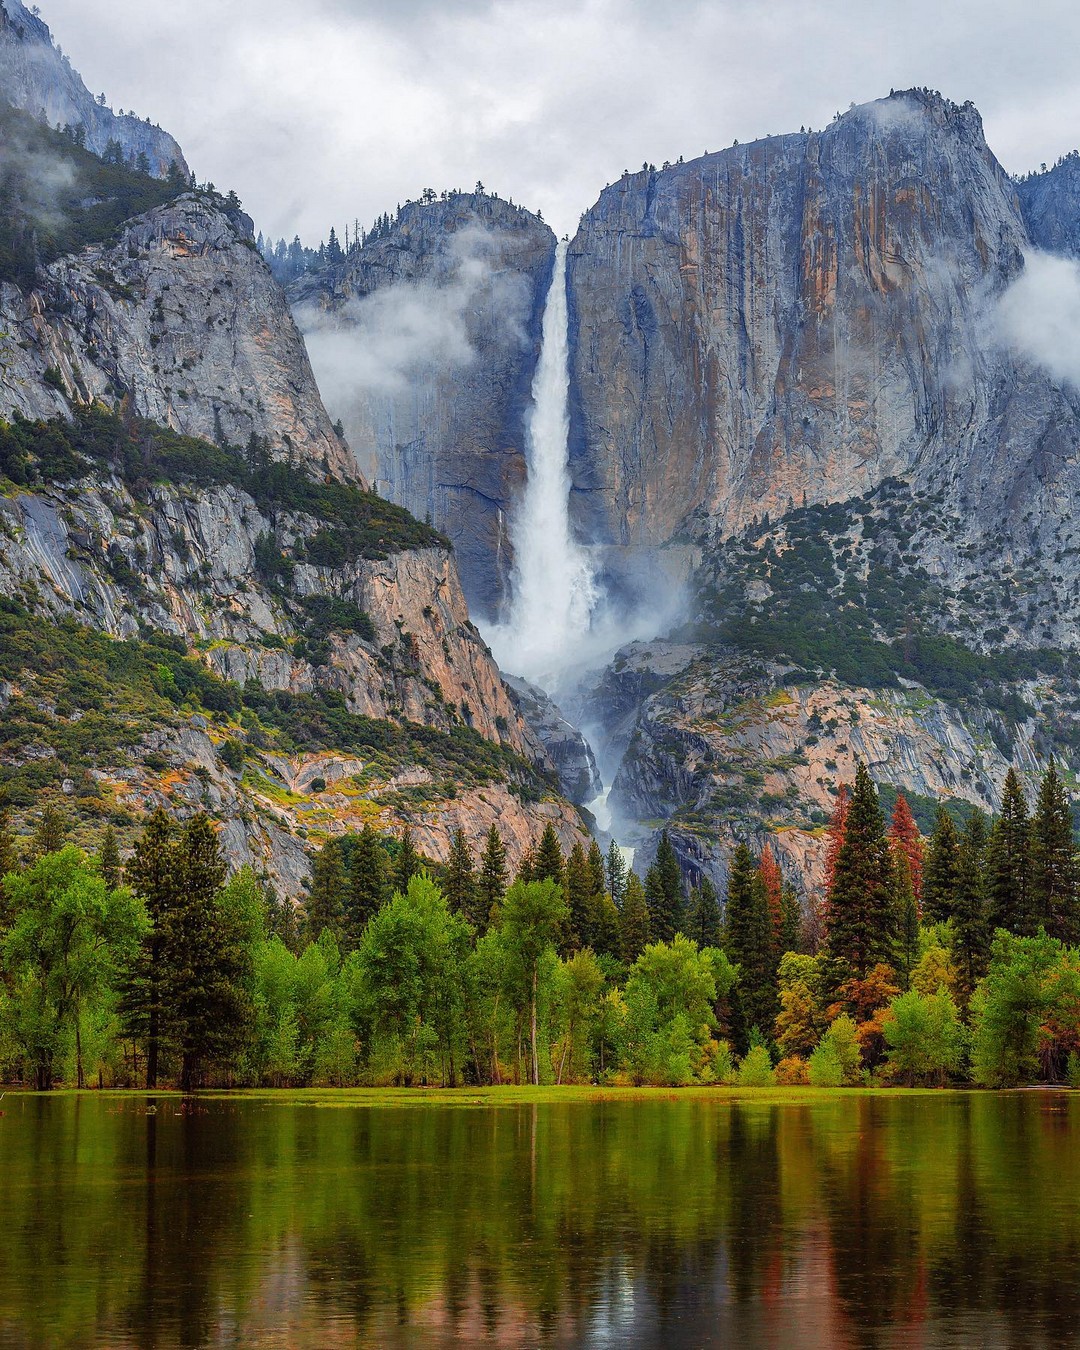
<point>947,1219</point>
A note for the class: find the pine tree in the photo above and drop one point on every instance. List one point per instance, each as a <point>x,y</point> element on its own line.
<point>971,936</point>
<point>1055,881</point>
<point>633,920</point>
<point>942,869</point>
<point>750,941</point>
<point>1008,864</point>
<point>51,832</point>
<point>109,859</point>
<point>8,860</point>
<point>904,835</point>
<point>663,892</point>
<point>206,964</point>
<point>790,921</point>
<point>597,872</point>
<point>492,881</point>
<point>859,917</point>
<point>325,903</point>
<point>459,878</point>
<point>549,862</point>
<point>408,862</point>
<point>773,882</point>
<point>616,874</point>
<point>367,889</point>
<point>577,932</point>
<point>526,868</point>
<point>836,834</point>
<point>153,875</point>
<point>906,910</point>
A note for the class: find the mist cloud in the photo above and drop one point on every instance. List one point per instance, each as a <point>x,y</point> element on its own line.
<point>1038,317</point>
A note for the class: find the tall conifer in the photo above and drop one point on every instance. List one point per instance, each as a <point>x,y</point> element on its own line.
<point>367,889</point>
<point>549,862</point>
<point>904,835</point>
<point>491,883</point>
<point>942,871</point>
<point>750,941</point>
<point>1055,881</point>
<point>1008,864</point>
<point>633,920</point>
<point>860,925</point>
<point>459,878</point>
<point>971,935</point>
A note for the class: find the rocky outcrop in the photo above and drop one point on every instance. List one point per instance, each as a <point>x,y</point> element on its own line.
<point>796,320</point>
<point>180,316</point>
<point>728,752</point>
<point>36,78</point>
<point>567,748</point>
<point>184,562</point>
<point>425,341</point>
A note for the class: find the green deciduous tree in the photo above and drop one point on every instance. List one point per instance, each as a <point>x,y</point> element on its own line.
<point>924,1036</point>
<point>532,916</point>
<point>68,935</point>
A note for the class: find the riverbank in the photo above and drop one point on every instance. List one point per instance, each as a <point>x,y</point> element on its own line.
<point>510,1095</point>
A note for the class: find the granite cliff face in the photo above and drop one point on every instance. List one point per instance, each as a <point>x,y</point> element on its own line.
<point>37,79</point>
<point>184,562</point>
<point>181,316</point>
<point>1050,202</point>
<point>797,320</point>
<point>424,342</point>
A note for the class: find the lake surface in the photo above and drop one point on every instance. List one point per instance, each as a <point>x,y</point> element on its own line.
<point>923,1220</point>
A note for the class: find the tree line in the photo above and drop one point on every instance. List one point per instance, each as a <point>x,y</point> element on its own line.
<point>952,959</point>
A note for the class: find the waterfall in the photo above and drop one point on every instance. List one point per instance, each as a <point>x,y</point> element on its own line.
<point>554,587</point>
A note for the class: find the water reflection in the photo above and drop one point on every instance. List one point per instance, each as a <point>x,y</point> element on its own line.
<point>891,1221</point>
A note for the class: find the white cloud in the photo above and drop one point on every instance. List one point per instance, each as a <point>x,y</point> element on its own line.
<point>1038,317</point>
<point>335,109</point>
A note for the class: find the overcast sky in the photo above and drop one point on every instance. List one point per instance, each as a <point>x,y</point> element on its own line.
<point>319,111</point>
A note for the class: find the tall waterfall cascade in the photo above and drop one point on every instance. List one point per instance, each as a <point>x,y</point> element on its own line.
<point>555,592</point>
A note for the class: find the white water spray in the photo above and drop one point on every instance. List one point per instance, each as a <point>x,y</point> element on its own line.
<point>555,591</point>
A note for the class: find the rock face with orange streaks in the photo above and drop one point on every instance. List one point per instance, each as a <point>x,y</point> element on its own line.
<point>796,320</point>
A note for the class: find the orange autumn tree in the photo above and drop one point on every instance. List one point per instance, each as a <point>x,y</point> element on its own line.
<point>904,835</point>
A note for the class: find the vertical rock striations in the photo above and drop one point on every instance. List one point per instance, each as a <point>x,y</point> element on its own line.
<point>795,320</point>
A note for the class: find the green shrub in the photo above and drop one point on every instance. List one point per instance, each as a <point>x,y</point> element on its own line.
<point>756,1069</point>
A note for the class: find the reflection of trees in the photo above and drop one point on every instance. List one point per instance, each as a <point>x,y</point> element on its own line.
<point>692,1217</point>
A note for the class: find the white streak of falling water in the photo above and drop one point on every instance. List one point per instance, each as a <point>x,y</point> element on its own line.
<point>555,591</point>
